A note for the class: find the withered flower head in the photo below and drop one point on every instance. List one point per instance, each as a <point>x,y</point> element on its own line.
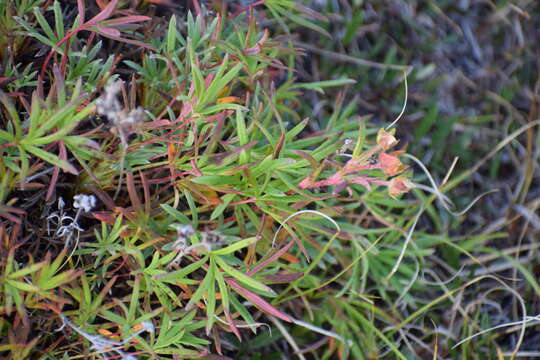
<point>390,163</point>
<point>386,139</point>
<point>399,185</point>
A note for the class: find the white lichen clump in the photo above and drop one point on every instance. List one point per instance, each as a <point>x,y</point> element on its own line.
<point>85,202</point>
<point>67,227</point>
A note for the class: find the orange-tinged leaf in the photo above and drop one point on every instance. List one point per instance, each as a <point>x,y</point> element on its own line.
<point>223,91</point>
<point>290,258</point>
<point>170,152</point>
<point>187,291</point>
<point>228,100</point>
<point>105,332</point>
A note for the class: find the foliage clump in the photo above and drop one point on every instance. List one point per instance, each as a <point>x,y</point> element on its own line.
<point>165,191</point>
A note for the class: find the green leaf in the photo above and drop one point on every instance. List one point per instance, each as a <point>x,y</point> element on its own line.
<point>171,35</point>
<point>166,292</point>
<point>58,20</point>
<point>235,247</point>
<point>28,270</point>
<point>296,130</point>
<point>288,13</point>
<point>192,208</point>
<point>33,33</point>
<point>198,79</point>
<point>176,214</point>
<point>45,25</point>
<point>240,276</point>
<point>216,180</point>
<point>22,285</point>
<point>4,135</point>
<point>242,135</point>
<point>211,297</point>
<point>319,85</point>
<point>25,163</point>
<point>219,82</point>
<point>244,313</point>
<point>202,289</point>
<point>223,290</point>
<point>221,207</point>
<point>13,114</point>
<point>220,107</point>
<point>51,158</point>
<point>179,275</point>
<point>60,279</point>
<point>134,301</point>
<point>361,139</point>
<point>38,128</point>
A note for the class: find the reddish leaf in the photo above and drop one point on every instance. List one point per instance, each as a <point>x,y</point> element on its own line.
<point>216,118</point>
<point>249,7</point>
<point>306,183</point>
<point>258,301</point>
<point>103,197</point>
<point>312,162</point>
<point>131,41</point>
<point>362,181</point>
<point>232,324</point>
<point>208,79</point>
<point>146,192</point>
<point>63,156</point>
<point>107,31</point>
<point>257,48</point>
<point>107,217</point>
<point>6,80</point>
<point>283,278</point>
<point>271,259</point>
<point>164,3</point>
<point>10,217</point>
<point>12,209</point>
<point>31,185</point>
<point>80,7</point>
<point>103,15</point>
<point>195,170</point>
<point>132,191</point>
<point>126,20</point>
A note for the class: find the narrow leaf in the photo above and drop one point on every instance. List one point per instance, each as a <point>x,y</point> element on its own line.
<point>103,14</point>
<point>202,289</point>
<point>171,35</point>
<point>22,285</point>
<point>258,301</point>
<point>235,247</point>
<point>175,214</point>
<point>221,207</point>
<point>51,158</point>
<point>240,276</point>
<point>177,275</point>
